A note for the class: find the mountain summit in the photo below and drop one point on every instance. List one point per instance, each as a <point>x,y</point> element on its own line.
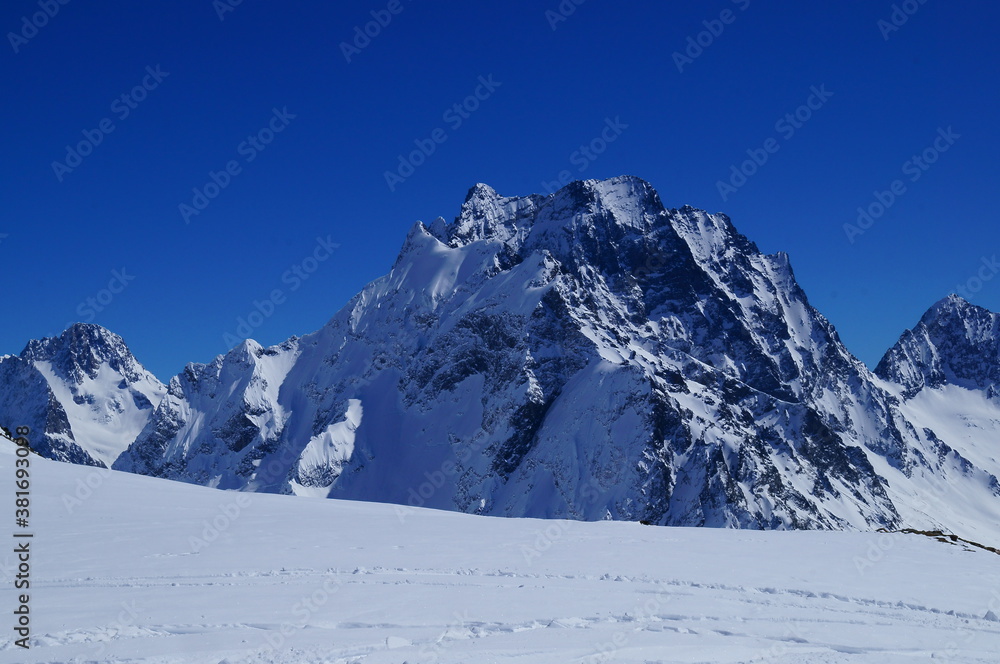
<point>955,343</point>
<point>83,394</point>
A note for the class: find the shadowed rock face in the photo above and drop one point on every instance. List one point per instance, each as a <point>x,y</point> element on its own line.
<point>589,354</point>
<point>29,402</point>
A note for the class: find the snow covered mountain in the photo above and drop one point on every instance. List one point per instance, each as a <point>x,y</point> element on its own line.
<point>83,394</point>
<point>945,373</point>
<point>955,343</point>
<point>589,355</point>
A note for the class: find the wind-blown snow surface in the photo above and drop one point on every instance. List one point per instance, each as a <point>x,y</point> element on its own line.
<point>136,572</point>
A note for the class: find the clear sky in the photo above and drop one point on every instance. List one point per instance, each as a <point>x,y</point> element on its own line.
<point>152,97</point>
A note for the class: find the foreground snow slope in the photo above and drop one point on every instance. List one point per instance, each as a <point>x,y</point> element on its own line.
<point>121,576</point>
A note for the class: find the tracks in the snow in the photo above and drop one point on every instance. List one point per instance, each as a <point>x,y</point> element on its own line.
<point>684,608</point>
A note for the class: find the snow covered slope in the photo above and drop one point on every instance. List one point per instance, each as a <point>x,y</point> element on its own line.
<point>82,393</point>
<point>589,355</point>
<point>145,571</point>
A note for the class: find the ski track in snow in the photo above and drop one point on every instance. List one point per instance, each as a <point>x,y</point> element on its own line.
<point>118,581</point>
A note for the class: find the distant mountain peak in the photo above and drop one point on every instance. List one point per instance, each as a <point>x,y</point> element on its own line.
<point>76,336</point>
<point>82,392</point>
<point>955,342</point>
<point>947,309</point>
<point>81,350</point>
<point>480,191</point>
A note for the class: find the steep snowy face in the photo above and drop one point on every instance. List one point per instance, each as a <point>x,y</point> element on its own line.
<point>589,354</point>
<point>754,414</point>
<point>955,343</point>
<point>27,400</point>
<point>689,276</point>
<point>85,393</point>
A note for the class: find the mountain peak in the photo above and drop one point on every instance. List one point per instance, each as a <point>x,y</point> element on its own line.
<point>947,308</point>
<point>482,216</point>
<point>955,342</point>
<point>975,323</point>
<point>481,191</point>
<point>487,215</point>
<point>81,350</point>
<point>76,334</point>
<point>82,392</point>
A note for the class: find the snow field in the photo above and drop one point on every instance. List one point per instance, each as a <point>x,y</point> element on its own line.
<point>146,570</point>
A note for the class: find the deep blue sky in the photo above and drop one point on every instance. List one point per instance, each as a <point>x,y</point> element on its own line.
<point>324,174</point>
